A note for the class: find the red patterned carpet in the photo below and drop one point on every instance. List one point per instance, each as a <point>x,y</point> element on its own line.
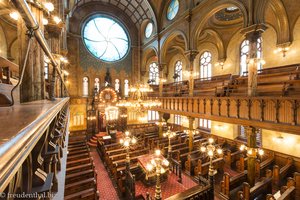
<point>169,187</point>
<point>105,186</point>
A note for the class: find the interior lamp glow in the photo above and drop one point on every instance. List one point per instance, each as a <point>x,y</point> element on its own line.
<point>49,6</point>
<point>14,15</point>
<point>56,19</point>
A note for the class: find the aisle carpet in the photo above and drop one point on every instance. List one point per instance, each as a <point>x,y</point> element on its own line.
<point>104,184</point>
<point>169,187</point>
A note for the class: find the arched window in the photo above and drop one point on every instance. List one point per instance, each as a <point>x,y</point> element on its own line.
<point>117,85</point>
<point>245,47</point>
<point>97,84</point>
<point>126,88</point>
<point>153,74</point>
<point>178,71</point>
<point>205,64</point>
<point>85,84</point>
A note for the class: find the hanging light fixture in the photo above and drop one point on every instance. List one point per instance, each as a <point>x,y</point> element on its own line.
<point>49,6</point>
<point>14,15</point>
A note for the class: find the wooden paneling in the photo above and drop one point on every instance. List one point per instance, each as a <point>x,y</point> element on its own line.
<point>273,113</point>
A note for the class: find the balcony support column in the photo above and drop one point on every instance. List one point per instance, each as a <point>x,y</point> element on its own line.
<point>251,153</point>
<point>191,131</point>
<point>252,34</point>
<point>161,77</point>
<point>191,54</point>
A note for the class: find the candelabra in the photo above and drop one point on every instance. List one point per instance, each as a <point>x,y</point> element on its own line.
<point>211,151</point>
<point>252,151</point>
<point>170,134</point>
<point>159,164</point>
<point>127,141</point>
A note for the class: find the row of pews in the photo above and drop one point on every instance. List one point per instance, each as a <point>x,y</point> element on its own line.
<point>114,155</point>
<point>276,81</point>
<point>81,176</point>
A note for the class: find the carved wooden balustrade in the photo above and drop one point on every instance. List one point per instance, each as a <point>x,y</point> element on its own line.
<point>32,137</point>
<point>275,113</point>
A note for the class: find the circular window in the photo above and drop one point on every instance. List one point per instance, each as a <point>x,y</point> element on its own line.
<point>105,39</point>
<point>148,30</point>
<point>172,9</point>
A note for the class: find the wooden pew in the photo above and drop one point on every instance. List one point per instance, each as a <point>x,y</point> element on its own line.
<point>191,162</point>
<point>259,190</point>
<point>241,163</point>
<point>231,185</point>
<point>203,168</point>
<point>261,167</point>
<point>279,174</point>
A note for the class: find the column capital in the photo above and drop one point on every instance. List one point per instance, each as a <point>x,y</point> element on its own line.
<point>253,32</point>
<point>161,66</point>
<point>191,54</point>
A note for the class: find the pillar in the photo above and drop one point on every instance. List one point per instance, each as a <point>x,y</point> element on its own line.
<point>161,76</point>
<point>191,54</point>
<point>251,153</point>
<point>191,136</point>
<point>54,38</point>
<point>160,127</point>
<point>252,34</point>
<point>33,85</point>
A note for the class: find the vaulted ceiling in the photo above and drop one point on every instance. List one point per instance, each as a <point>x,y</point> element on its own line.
<point>136,10</point>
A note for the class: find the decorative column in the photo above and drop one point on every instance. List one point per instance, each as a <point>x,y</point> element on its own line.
<point>33,86</point>
<point>160,126</point>
<point>191,135</point>
<point>191,54</point>
<point>251,153</point>
<point>253,33</point>
<point>53,38</point>
<point>161,76</point>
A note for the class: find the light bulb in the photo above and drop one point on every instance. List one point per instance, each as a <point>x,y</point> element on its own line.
<point>210,153</point>
<point>242,147</point>
<point>49,6</point>
<point>210,140</point>
<point>127,133</point>
<point>149,167</point>
<point>45,21</point>
<point>261,152</point>
<point>121,141</point>
<point>133,141</point>
<point>14,15</point>
<point>56,19</point>
<point>126,143</point>
<point>157,152</point>
<point>203,149</point>
<point>219,151</point>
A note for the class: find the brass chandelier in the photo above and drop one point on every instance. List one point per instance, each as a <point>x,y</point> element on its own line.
<point>138,101</point>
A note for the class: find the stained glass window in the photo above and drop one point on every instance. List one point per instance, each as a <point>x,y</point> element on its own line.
<point>148,30</point>
<point>106,39</point>
<point>178,71</point>
<point>245,52</point>
<point>205,65</point>
<point>153,74</point>
<point>172,9</point>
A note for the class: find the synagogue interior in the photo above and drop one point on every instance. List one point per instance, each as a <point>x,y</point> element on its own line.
<point>150,99</point>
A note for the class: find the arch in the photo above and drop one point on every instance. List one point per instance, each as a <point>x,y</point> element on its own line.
<point>144,10</point>
<point>150,52</point>
<point>209,9</point>
<point>218,42</point>
<point>3,46</point>
<point>168,39</point>
<point>282,22</point>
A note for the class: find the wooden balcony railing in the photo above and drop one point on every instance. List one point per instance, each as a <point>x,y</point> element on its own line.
<point>274,113</point>
<point>31,140</point>
<point>9,71</point>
